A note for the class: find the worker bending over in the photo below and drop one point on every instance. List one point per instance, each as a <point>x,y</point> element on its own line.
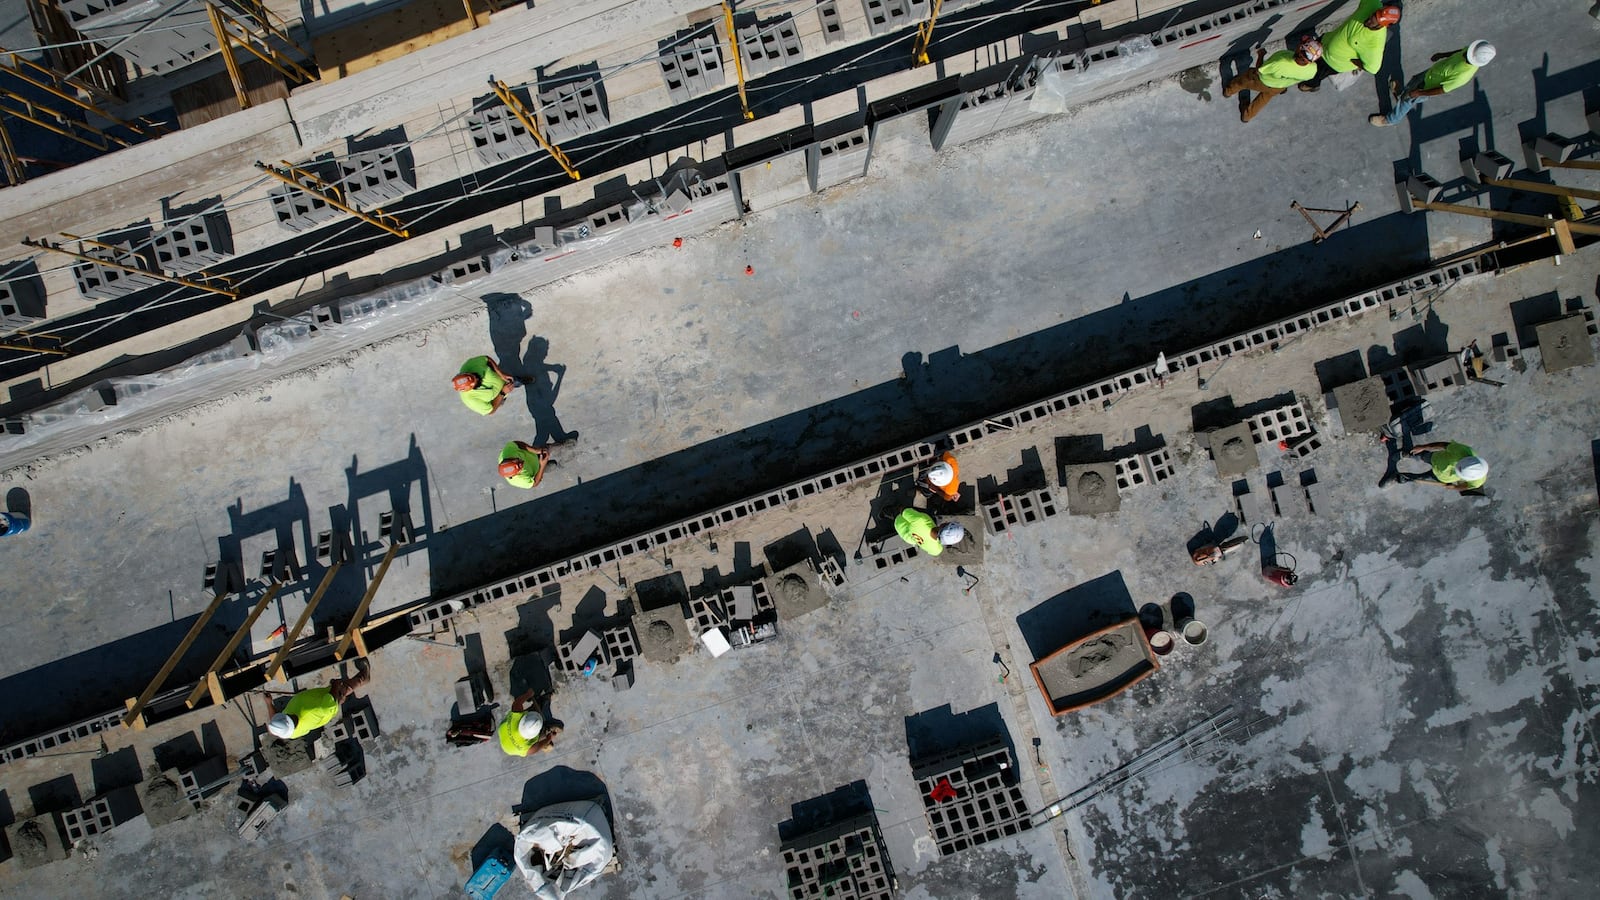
<point>522,465</point>
<point>315,707</point>
<point>523,731</point>
<point>919,529</point>
<point>1272,75</point>
<point>942,481</point>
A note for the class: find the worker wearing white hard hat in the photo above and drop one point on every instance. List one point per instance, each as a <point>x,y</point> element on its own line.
<point>524,730</point>
<point>951,534</point>
<point>1451,465</point>
<point>942,480</point>
<point>1448,72</point>
<point>315,707</point>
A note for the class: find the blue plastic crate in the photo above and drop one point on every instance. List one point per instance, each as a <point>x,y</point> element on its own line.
<point>490,877</point>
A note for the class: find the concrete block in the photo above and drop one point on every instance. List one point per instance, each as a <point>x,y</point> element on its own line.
<point>886,16</point>
<point>587,646</point>
<point>260,816</point>
<point>193,244</point>
<point>1233,449</point>
<point>1318,499</point>
<point>1092,489</point>
<point>1398,385</point>
<point>1565,343</point>
<point>1290,501</point>
<point>87,820</point>
<point>796,591</point>
<point>298,210</point>
<point>1552,147</point>
<point>663,634</point>
<point>374,177</point>
<point>832,24</point>
<point>1250,509</point>
<point>197,779</point>
<point>1130,472</point>
<point>843,859</point>
<point>1486,164</point>
<point>22,297</point>
<point>623,678</point>
<point>572,104</point>
<point>830,572</point>
<point>101,282</point>
<point>1363,405</point>
<point>743,605</point>
<point>768,44</point>
<point>1281,425</point>
<point>36,841</point>
<point>1158,463</point>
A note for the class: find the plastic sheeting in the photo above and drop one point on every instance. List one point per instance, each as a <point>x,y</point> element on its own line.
<point>564,847</point>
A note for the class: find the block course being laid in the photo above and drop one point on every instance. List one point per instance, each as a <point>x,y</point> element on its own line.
<point>987,803</point>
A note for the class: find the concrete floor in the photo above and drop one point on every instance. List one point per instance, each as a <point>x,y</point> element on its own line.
<point>1419,707</point>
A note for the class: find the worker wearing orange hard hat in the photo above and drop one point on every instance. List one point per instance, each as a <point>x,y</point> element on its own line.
<point>1357,44</point>
<point>483,385</point>
<point>942,480</point>
<point>1272,75</point>
<point>523,465</point>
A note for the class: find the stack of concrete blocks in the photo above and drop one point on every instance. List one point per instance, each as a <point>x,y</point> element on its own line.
<point>372,178</point>
<point>497,134</point>
<point>298,210</point>
<point>648,222</point>
<point>1398,385</point>
<point>768,44</point>
<point>357,724</point>
<point>88,820</point>
<point>22,297</point>
<point>845,859</point>
<point>1551,147</point>
<point>201,778</point>
<point>193,244</point>
<point>691,63</point>
<point>182,34</point>
<point>1008,510</point>
<point>987,805</point>
<point>572,105</point>
<point>99,282</point>
<point>992,100</point>
<point>830,572</point>
<point>1136,470</point>
<point>615,645</point>
<point>830,20</point>
<point>886,16</point>
<point>1280,425</point>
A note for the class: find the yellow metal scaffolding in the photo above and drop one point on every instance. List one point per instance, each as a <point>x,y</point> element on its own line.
<point>308,183</point>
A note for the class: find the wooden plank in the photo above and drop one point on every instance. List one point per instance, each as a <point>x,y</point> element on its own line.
<point>227,651</point>
<point>213,97</point>
<point>397,32</point>
<point>300,624</point>
<point>366,601</point>
<point>136,707</point>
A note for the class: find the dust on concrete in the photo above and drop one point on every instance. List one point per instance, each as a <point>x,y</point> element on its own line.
<point>1197,81</point>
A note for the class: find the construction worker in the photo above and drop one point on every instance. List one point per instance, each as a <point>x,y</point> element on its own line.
<point>1448,72</point>
<point>1357,44</point>
<point>523,730</point>
<point>1451,465</point>
<point>942,481</point>
<point>1272,75</point>
<point>313,708</point>
<point>523,465</point>
<point>919,529</point>
<point>483,385</point>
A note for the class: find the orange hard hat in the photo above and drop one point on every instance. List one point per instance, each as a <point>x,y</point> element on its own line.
<point>510,468</point>
<point>1389,15</point>
<point>466,381</point>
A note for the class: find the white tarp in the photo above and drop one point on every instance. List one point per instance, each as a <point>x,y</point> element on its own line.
<point>564,847</point>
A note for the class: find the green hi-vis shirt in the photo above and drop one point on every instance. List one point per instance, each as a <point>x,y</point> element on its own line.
<point>1449,73</point>
<point>511,739</point>
<point>914,524</point>
<point>1444,465</point>
<point>1280,70</point>
<point>530,465</point>
<point>311,709</point>
<point>481,398</point>
<point>1354,40</point>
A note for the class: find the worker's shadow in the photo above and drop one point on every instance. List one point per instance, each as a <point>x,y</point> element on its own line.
<point>541,385</point>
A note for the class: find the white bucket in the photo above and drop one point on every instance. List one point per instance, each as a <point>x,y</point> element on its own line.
<point>1193,631</point>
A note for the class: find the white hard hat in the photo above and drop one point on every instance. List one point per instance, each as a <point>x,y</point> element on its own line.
<point>531,726</point>
<point>941,474</point>
<point>1472,468</point>
<point>1480,53</point>
<point>951,533</point>
<point>281,726</point>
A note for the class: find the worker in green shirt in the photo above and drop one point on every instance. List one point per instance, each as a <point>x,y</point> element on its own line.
<point>523,464</point>
<point>1272,75</point>
<point>315,707</point>
<point>1448,72</point>
<point>1357,44</point>
<point>919,529</point>
<point>483,385</point>
<point>523,730</point>
<point>1451,465</point>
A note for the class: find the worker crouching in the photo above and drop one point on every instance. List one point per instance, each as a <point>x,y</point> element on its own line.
<point>919,529</point>
<point>524,731</point>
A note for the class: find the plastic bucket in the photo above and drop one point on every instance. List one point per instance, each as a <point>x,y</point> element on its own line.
<point>1193,631</point>
<point>1161,642</point>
